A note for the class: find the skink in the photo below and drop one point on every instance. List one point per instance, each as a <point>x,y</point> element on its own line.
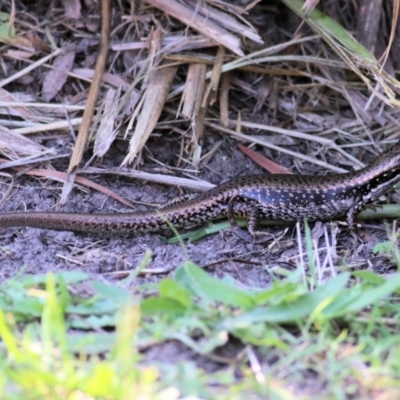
<point>280,197</point>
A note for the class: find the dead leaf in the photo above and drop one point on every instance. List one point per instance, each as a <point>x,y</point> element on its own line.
<point>189,15</point>
<point>193,91</point>
<point>56,78</point>
<point>13,145</point>
<point>264,162</point>
<point>72,9</point>
<point>111,79</point>
<point>153,102</point>
<point>106,131</point>
<point>7,99</point>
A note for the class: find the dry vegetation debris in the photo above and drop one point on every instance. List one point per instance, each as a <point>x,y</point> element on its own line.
<point>183,59</point>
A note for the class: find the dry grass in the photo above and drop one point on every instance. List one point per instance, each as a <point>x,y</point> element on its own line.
<point>178,64</point>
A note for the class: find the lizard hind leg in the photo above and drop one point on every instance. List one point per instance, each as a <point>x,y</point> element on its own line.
<point>251,211</point>
<point>241,233</point>
<point>351,221</point>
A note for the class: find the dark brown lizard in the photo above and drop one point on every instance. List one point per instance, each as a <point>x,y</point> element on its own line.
<point>279,197</point>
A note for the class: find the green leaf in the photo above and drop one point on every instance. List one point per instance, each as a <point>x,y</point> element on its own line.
<point>385,247</point>
<point>209,288</point>
<point>339,306</point>
<point>357,298</point>
<point>99,307</point>
<point>153,305</point>
<point>329,28</point>
<point>91,343</point>
<point>285,313</point>
<point>371,296</point>
<point>280,292</point>
<point>172,290</point>
<point>28,307</point>
<point>113,292</point>
<point>93,322</point>
<point>205,345</point>
<point>369,276</point>
<point>261,335</point>
<point>310,252</point>
<point>5,32</point>
<point>64,297</point>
